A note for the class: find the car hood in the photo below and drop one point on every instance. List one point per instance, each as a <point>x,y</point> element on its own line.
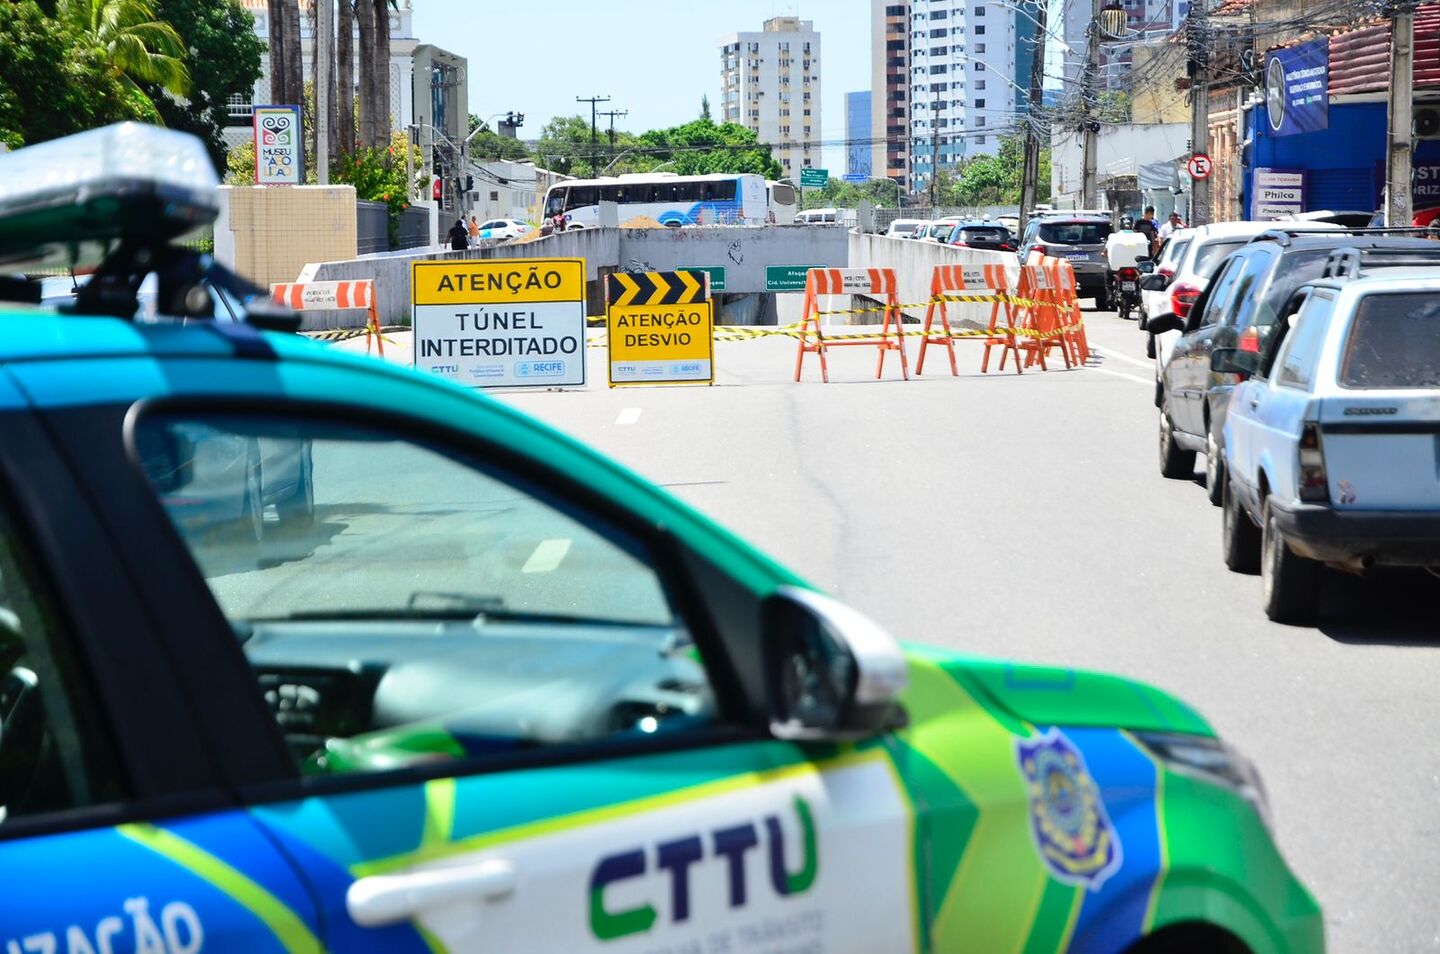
<point>1046,695</point>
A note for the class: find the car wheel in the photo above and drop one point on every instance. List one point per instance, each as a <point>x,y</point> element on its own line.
<point>1239,537</point>
<point>1290,582</point>
<point>1214,466</point>
<point>1149,346</point>
<point>1175,462</point>
<point>298,509</point>
<point>1143,319</point>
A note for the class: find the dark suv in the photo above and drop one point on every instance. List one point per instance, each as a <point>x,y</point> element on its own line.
<point>1238,310</point>
<point>1081,239</point>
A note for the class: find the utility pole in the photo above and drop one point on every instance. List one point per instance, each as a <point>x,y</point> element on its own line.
<point>1091,128</point>
<point>324,76</point>
<point>934,152</point>
<point>1397,152</point>
<point>612,113</point>
<point>1030,171</point>
<point>594,133</point>
<point>1197,35</point>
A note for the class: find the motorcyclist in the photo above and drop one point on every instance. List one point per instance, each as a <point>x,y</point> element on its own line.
<point>1123,249</point>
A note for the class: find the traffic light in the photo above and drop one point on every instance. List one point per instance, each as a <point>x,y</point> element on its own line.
<point>469,183</point>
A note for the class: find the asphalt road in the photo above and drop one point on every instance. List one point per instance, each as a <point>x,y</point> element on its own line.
<point>1025,517</point>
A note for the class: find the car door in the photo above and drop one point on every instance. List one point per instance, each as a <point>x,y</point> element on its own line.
<point>514,714</point>
<point>115,834</point>
<point>1280,409</point>
<point>1188,370</point>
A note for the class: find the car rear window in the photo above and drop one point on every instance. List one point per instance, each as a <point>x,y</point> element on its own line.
<point>984,235</point>
<point>1394,342</point>
<point>1211,254</point>
<point>1075,233</point>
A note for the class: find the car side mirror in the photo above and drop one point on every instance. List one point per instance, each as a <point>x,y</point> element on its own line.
<point>1234,361</point>
<point>1146,266</point>
<point>1154,283</point>
<point>832,673</point>
<point>1159,324</point>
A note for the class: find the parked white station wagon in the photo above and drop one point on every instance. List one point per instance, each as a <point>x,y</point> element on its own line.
<point>1333,444</point>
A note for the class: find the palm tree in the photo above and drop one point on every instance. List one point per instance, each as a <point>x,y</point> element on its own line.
<point>138,47</point>
<point>345,77</point>
<point>365,119</point>
<point>373,19</point>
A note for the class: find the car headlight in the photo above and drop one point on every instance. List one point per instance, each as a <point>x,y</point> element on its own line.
<point>1213,761</point>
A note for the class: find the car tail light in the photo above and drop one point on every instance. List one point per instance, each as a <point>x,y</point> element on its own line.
<point>1040,250</point>
<point>960,244</point>
<point>1129,274</point>
<point>1167,271</point>
<point>1182,297</point>
<point>1314,485</point>
<point>1006,247</point>
<point>1249,340</point>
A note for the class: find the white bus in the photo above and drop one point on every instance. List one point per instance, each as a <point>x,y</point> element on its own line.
<point>670,199</point>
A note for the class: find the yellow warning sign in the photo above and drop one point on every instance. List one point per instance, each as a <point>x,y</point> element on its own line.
<point>660,328</point>
<point>467,281</point>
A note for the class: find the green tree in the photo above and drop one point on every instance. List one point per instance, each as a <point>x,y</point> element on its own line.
<point>51,84</point>
<point>223,56</point>
<point>139,47</point>
<point>703,146</point>
<point>704,106</point>
<point>1115,107</point>
<point>564,146</point>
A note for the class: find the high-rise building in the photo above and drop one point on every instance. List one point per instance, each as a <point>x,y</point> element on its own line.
<point>770,82</point>
<point>890,88</point>
<point>857,134</point>
<point>969,75</point>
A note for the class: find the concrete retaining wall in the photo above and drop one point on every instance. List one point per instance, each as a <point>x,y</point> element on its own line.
<point>914,263</point>
<point>745,254</point>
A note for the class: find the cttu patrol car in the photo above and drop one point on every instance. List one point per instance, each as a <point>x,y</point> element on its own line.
<point>448,680</point>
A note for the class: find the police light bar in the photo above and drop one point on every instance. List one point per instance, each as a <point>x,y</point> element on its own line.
<point>63,201</point>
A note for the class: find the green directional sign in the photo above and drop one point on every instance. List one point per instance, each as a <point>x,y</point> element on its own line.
<point>784,278</point>
<point>814,178</point>
<point>716,273</point>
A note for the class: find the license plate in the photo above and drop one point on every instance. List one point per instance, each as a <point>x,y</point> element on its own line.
<point>1078,255</point>
<point>1127,286</point>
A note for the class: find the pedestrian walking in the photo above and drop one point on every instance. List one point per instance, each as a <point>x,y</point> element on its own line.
<point>1171,226</point>
<point>459,236</point>
<point>474,233</point>
<point>1147,227</point>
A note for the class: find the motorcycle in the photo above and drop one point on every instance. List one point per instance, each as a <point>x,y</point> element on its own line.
<point>1126,293</point>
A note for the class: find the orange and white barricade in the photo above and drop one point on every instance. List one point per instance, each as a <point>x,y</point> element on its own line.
<point>333,296</point>
<point>1042,331</point>
<point>1072,320</point>
<point>951,283</point>
<point>878,283</point>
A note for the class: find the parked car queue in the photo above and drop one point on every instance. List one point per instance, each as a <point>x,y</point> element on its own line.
<point>1302,362</point>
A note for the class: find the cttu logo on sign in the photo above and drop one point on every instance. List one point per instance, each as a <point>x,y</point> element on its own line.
<point>660,328</point>
<point>1297,88</point>
<point>501,323</point>
<point>277,145</point>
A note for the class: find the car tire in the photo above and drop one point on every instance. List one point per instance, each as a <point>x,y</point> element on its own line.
<point>1214,465</point>
<point>1290,583</point>
<point>1176,463</point>
<point>1143,319</point>
<point>1239,537</point>
<point>1149,346</point>
<point>298,509</point>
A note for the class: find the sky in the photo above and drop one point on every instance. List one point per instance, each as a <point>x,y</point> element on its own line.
<point>654,58</point>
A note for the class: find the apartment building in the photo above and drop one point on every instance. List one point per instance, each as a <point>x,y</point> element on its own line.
<point>890,88</point>
<point>969,72</point>
<point>770,82</point>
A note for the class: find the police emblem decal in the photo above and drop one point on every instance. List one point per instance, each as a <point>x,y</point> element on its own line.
<point>1073,832</point>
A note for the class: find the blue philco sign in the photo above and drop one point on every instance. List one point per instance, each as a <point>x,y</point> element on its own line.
<point>1297,88</point>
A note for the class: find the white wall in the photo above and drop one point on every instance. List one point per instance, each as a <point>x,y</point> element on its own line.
<point>1119,150</point>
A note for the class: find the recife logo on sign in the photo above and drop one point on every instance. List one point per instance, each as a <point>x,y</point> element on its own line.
<point>672,860</point>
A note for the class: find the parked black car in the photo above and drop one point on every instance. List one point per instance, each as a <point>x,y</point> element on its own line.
<point>1238,309</point>
<point>986,235</point>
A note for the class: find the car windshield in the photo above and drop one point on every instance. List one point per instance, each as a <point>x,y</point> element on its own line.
<point>1211,254</point>
<point>1075,233</point>
<point>1394,342</point>
<point>983,234</point>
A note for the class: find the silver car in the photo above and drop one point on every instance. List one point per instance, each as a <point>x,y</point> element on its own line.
<point>1078,238</point>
